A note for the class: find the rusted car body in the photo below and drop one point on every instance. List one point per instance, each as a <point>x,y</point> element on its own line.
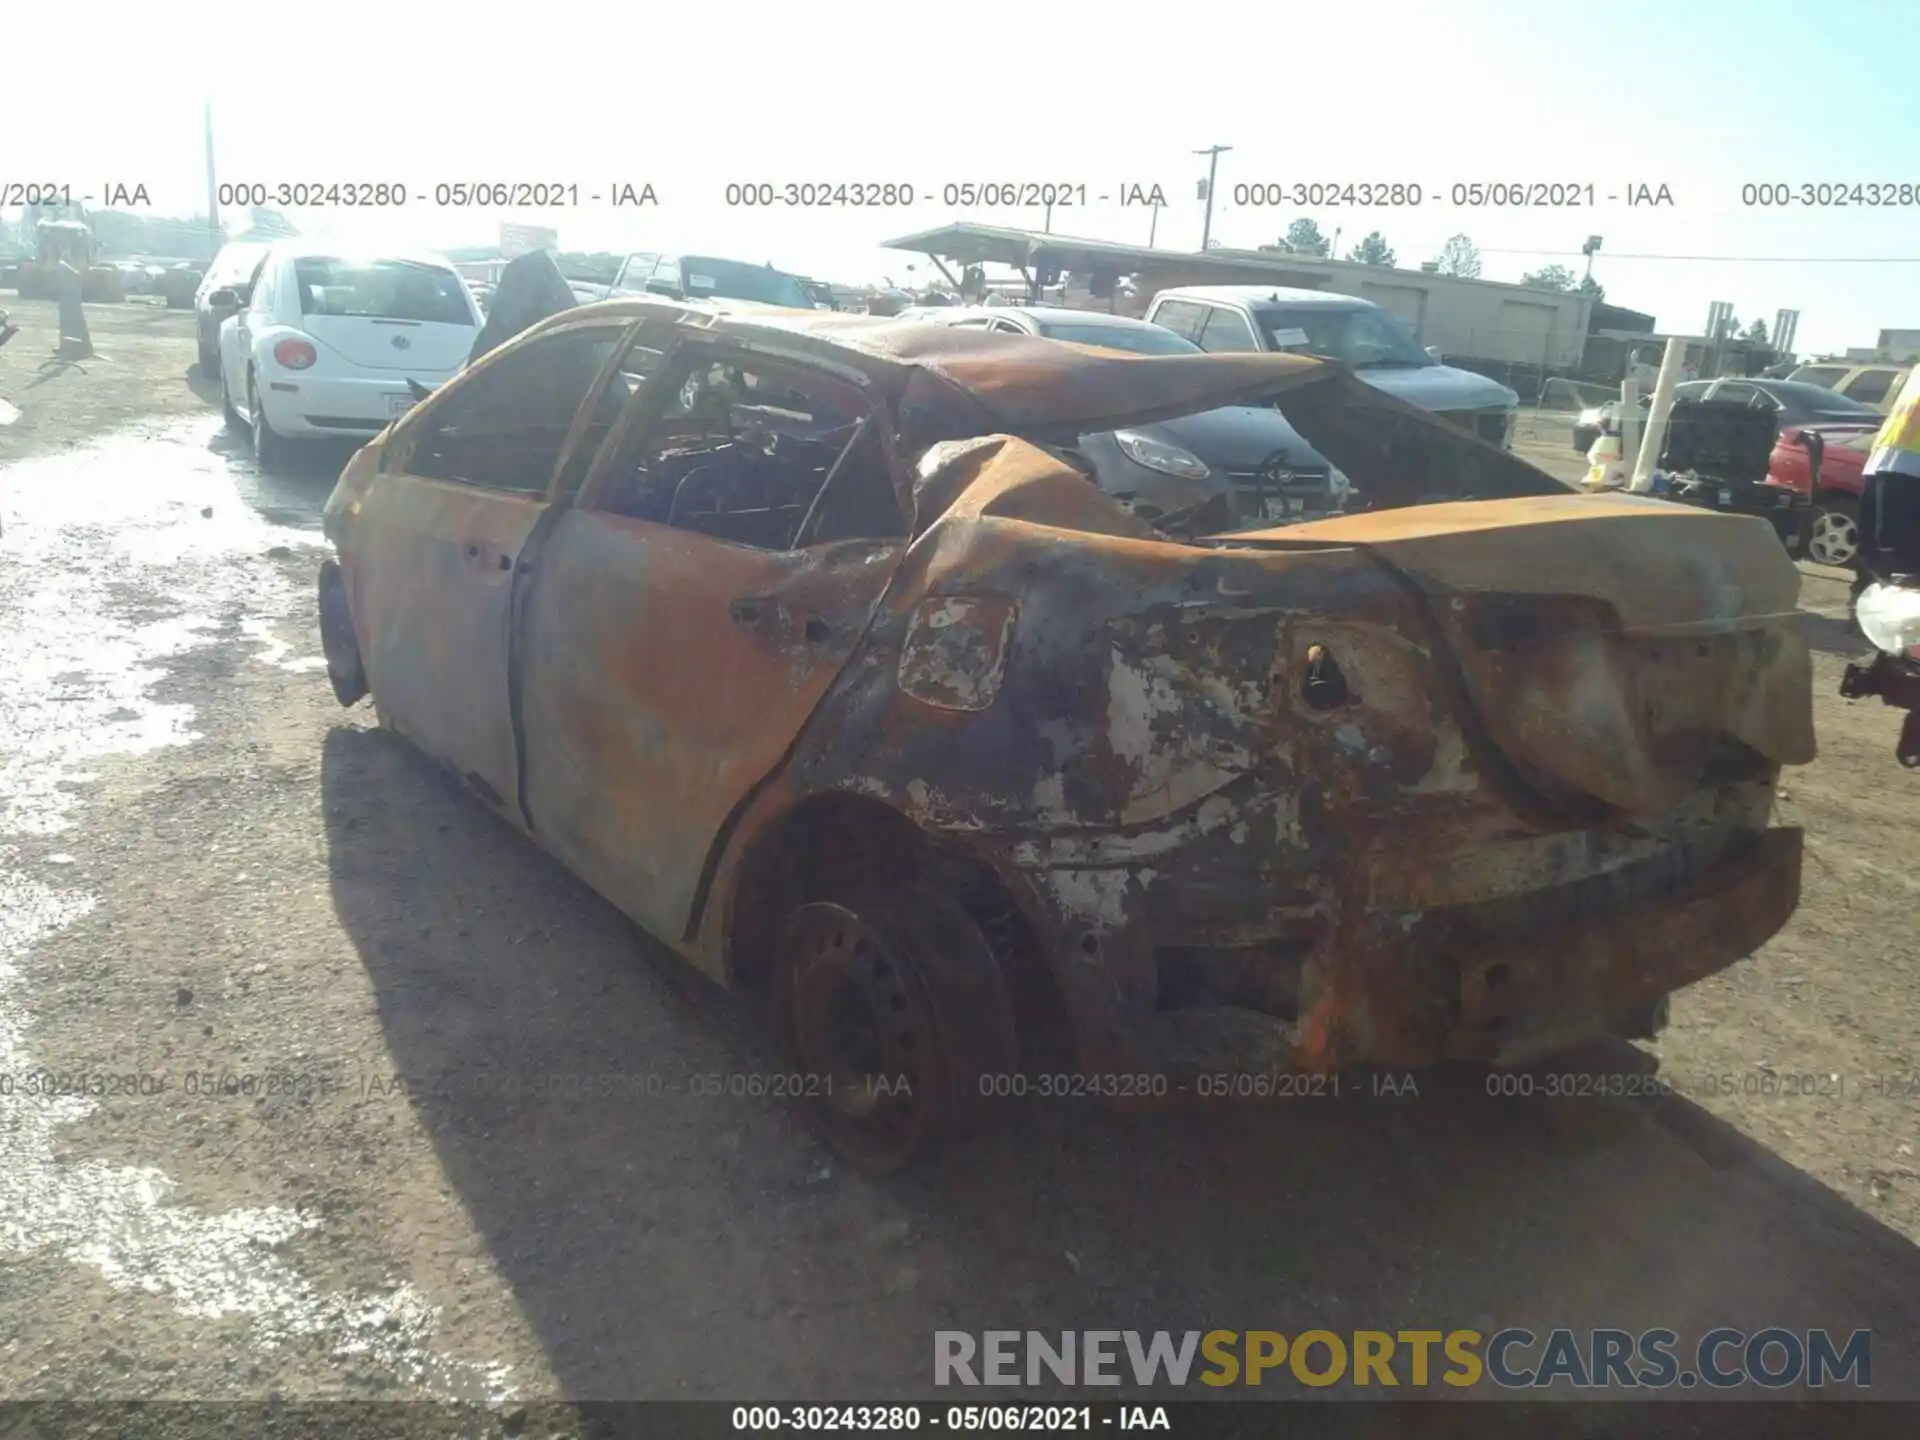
<point>966,757</point>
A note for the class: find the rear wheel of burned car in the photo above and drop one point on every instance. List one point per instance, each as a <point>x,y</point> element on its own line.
<point>893,1020</point>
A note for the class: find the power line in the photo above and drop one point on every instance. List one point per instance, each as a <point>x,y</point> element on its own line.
<point>1726,259</point>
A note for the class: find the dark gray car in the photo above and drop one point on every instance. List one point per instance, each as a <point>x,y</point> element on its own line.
<point>232,269</point>
<point>1794,403</point>
<point>1238,467</point>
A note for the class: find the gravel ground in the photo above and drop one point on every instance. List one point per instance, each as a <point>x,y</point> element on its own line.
<point>456,1154</point>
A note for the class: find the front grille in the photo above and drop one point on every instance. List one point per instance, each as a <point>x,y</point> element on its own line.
<point>1276,496</point>
<point>1489,425</point>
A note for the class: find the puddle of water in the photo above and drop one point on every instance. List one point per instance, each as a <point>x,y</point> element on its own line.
<point>112,569</point>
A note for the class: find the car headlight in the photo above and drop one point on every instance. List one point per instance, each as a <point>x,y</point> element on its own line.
<point>1159,455</point>
<point>1889,616</point>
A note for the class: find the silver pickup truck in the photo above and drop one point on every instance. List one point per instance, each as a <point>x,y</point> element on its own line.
<point>1356,332</point>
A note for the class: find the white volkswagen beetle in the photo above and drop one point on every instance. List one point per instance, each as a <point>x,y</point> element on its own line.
<point>322,345</point>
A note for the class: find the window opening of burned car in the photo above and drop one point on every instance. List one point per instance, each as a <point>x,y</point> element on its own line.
<point>503,429</point>
<point>770,455</point>
<point>645,358</point>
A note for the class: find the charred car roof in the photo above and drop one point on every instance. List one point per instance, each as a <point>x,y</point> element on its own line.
<point>951,383</point>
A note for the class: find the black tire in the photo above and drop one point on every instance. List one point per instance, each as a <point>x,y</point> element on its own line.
<point>344,668</point>
<point>1833,531</point>
<point>270,448</point>
<point>884,986</point>
<point>227,411</point>
<point>209,359</point>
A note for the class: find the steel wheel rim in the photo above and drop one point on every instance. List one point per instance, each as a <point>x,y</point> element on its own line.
<point>860,1024</point>
<point>1833,538</point>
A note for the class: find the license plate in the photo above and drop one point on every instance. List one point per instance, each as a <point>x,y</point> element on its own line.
<point>1726,498</point>
<point>1282,507</point>
<point>399,404</point>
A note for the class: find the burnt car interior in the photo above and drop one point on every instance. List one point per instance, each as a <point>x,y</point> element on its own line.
<point>759,454</point>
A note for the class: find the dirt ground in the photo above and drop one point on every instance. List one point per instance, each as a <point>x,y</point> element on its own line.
<point>137,376</point>
<point>410,1112</point>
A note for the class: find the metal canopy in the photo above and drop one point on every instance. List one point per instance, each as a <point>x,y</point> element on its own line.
<point>993,244</point>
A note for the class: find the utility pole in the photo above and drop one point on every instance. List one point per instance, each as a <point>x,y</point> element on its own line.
<point>213,190</point>
<point>1154,228</point>
<point>1213,154</point>
<point>1047,225</point>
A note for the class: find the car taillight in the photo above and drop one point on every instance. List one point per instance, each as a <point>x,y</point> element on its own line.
<point>295,354</point>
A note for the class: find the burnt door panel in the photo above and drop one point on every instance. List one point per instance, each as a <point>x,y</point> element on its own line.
<point>664,674</point>
<point>436,589</point>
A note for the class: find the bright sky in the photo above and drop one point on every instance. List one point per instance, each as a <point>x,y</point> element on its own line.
<point>1704,97</point>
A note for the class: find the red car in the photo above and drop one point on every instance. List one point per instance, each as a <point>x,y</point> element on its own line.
<point>1833,536</point>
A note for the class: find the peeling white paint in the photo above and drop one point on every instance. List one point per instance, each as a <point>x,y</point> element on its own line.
<point>1095,898</point>
<point>955,652</point>
<point>1049,801</point>
<point>1174,763</point>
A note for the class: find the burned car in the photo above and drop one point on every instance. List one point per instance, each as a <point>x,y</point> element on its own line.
<point>801,639</point>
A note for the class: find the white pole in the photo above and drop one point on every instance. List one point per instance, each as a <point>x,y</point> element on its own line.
<point>1630,423</point>
<point>1656,437</point>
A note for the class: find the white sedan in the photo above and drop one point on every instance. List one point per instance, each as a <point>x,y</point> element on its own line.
<point>323,345</point>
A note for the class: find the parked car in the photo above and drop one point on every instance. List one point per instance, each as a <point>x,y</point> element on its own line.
<point>1239,467</point>
<point>1793,403</point>
<point>1839,452</point>
<point>179,284</point>
<point>708,277</point>
<point>326,346</point>
<point>1873,385</point>
<point>232,269</point>
<point>1224,319</point>
<point>790,634</point>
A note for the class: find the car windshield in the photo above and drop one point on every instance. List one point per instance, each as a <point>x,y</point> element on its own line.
<point>1362,337</point>
<point>1140,339</point>
<point>382,290</point>
<point>733,280</point>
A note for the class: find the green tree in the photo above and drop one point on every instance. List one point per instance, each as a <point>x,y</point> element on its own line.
<point>1303,237</point>
<point>1372,250</point>
<point>1549,277</point>
<point>1593,289</point>
<point>1756,332</point>
<point>1461,257</point>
